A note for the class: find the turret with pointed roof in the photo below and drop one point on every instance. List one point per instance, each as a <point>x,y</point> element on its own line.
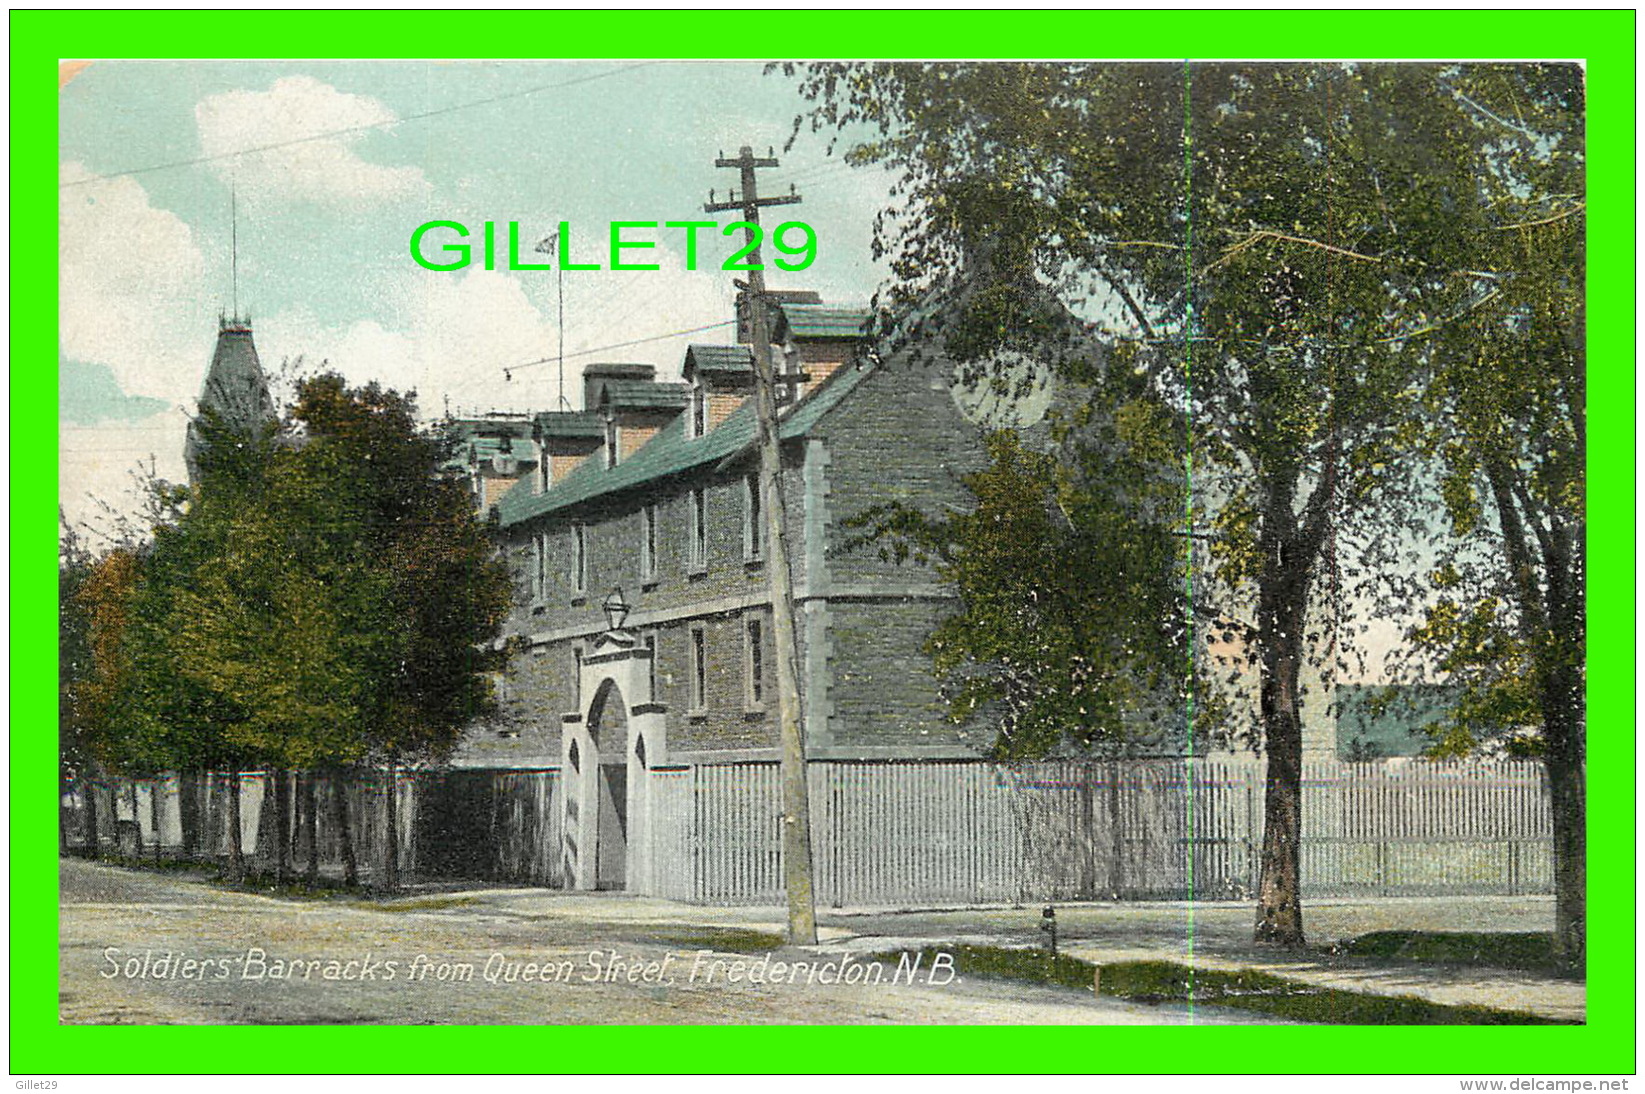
<point>236,391</point>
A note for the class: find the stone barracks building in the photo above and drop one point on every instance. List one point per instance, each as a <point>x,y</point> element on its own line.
<point>651,490</point>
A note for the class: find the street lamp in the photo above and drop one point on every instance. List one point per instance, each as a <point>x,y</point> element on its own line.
<point>616,609</point>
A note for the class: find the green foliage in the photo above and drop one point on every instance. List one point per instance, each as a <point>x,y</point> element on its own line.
<point>1333,270</point>
<point>1155,982</point>
<point>1070,629</point>
<point>94,667</point>
<point>1506,417</point>
<point>327,598</point>
<point>1476,645</point>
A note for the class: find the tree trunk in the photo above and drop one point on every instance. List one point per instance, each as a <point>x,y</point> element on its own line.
<point>1563,734</point>
<point>391,850</point>
<point>1545,566</point>
<point>311,830</point>
<point>188,812</point>
<point>236,855</point>
<point>278,784</point>
<point>345,830</point>
<point>156,814</point>
<point>1282,600</point>
<point>136,823</point>
<point>1279,897</point>
<point>88,794</point>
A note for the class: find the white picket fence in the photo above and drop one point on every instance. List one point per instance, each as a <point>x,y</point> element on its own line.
<point>945,833</point>
<point>939,833</point>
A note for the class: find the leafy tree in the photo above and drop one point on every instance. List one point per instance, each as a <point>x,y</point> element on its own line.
<point>1283,242</point>
<point>73,668</point>
<point>93,595</point>
<point>329,599</point>
<point>432,596</point>
<point>1071,619</point>
<point>181,715</point>
<point>1506,415</point>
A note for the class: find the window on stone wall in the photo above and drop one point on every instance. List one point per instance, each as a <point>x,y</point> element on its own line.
<point>699,670</point>
<point>651,665</point>
<point>576,678</point>
<point>699,530</point>
<point>699,410</point>
<point>753,518</point>
<point>539,565</point>
<point>579,549</point>
<point>754,661</point>
<point>648,543</point>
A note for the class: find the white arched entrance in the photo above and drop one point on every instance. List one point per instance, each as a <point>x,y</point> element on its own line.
<point>607,751</point>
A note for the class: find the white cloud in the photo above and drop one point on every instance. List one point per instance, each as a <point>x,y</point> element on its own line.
<point>130,277</point>
<point>325,171</point>
<point>454,335</point>
<point>100,467</point>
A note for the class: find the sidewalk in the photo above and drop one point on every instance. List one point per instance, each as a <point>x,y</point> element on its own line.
<point>1211,936</point>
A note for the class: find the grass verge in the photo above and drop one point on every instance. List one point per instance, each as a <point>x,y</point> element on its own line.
<point>720,939</point>
<point>1157,982</point>
<point>421,904</point>
<point>1529,951</point>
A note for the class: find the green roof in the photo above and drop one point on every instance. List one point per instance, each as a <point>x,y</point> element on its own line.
<point>629,370</point>
<point>718,359</point>
<point>486,447</point>
<point>671,452</point>
<point>644,394</point>
<point>826,321</point>
<point>570,423</point>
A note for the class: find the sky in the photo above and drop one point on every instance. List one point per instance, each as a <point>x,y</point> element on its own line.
<point>329,167</point>
<point>154,155</point>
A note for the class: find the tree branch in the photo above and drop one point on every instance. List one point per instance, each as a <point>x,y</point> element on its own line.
<point>1316,515</point>
<point>1577,208</point>
<point>1129,301</point>
<point>1257,237</point>
<point>1520,566</point>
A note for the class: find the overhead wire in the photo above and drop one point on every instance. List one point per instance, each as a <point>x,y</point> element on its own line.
<point>365,127</point>
<point>622,345</point>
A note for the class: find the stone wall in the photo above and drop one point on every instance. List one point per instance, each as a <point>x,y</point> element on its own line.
<point>863,622</point>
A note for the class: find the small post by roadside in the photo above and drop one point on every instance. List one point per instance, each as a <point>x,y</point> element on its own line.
<point>1048,923</point>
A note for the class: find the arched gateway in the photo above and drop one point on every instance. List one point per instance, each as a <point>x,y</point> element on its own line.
<point>607,751</point>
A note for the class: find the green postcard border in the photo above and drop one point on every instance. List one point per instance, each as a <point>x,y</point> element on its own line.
<point>1604,40</point>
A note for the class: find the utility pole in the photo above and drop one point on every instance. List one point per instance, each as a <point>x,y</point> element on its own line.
<point>797,873</point>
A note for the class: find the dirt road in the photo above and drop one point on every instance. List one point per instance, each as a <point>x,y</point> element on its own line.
<point>150,948</point>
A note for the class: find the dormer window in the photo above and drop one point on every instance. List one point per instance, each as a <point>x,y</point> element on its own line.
<point>789,375</point>
<point>612,433</point>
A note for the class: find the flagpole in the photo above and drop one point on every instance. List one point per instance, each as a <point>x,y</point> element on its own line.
<point>550,246</point>
<point>559,358</point>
